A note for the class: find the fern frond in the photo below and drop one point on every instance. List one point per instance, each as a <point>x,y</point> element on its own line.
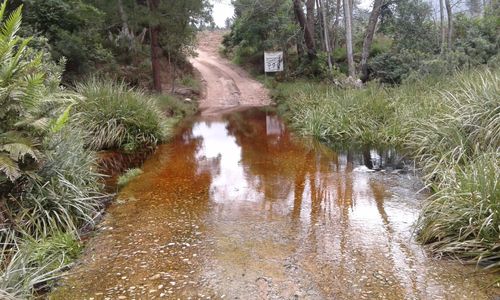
<point>3,6</point>
<point>17,151</point>
<point>11,25</point>
<point>9,167</point>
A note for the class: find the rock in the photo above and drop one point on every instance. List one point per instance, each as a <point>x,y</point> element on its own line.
<point>155,277</point>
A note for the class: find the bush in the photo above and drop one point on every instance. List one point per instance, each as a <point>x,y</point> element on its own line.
<point>64,195</point>
<point>118,117</point>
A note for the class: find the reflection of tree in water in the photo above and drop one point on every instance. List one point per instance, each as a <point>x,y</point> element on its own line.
<point>175,171</point>
<point>268,160</point>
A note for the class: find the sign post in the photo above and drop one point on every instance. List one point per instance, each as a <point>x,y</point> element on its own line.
<point>273,62</point>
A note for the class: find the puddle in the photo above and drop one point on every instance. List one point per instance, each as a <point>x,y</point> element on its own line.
<point>236,207</point>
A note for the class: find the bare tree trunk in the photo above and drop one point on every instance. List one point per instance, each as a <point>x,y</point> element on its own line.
<point>336,25</point>
<point>321,27</point>
<point>326,34</point>
<point>308,35</point>
<point>154,32</point>
<point>310,18</point>
<point>443,28</point>
<point>367,42</point>
<point>450,23</point>
<point>348,38</point>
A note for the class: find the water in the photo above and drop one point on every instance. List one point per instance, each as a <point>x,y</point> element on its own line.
<point>236,207</point>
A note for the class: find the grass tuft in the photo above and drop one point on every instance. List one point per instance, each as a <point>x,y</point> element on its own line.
<point>119,117</point>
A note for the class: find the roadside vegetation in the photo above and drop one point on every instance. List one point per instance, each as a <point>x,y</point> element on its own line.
<point>420,76</point>
<point>50,189</point>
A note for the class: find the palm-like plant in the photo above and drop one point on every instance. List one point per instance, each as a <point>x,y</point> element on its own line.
<point>21,87</point>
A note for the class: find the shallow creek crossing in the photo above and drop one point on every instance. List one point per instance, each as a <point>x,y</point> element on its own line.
<point>236,207</point>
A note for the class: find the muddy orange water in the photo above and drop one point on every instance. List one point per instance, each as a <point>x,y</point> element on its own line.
<point>235,207</point>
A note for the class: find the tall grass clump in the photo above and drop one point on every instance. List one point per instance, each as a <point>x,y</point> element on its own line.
<point>35,263</point>
<point>459,154</point>
<point>118,117</point>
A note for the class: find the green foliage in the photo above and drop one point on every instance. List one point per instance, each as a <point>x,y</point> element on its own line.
<point>21,90</point>
<point>64,195</point>
<point>73,31</point>
<point>36,263</point>
<point>409,22</point>
<point>175,107</point>
<point>129,175</point>
<point>260,26</point>
<point>118,117</point>
<point>49,188</point>
<point>461,219</point>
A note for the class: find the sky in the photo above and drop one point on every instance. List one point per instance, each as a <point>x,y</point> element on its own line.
<point>223,10</point>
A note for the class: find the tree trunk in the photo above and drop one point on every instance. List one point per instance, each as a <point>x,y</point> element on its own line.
<point>154,32</point>
<point>326,34</point>
<point>443,28</point>
<point>310,6</point>
<point>348,38</point>
<point>450,23</point>
<point>308,36</point>
<point>321,27</point>
<point>336,25</point>
<point>367,42</point>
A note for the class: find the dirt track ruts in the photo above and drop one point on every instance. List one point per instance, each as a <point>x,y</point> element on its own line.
<point>226,86</point>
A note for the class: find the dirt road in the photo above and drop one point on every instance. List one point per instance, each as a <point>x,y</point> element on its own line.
<point>227,86</point>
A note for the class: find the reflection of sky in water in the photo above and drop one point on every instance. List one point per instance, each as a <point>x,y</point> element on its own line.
<point>229,183</point>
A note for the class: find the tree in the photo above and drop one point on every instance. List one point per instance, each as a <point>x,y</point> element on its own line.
<point>154,32</point>
<point>450,23</point>
<point>348,37</point>
<point>442,27</point>
<point>326,34</point>
<point>308,31</point>
<point>367,41</point>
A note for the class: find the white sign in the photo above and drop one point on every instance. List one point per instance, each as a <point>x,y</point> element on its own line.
<point>273,61</point>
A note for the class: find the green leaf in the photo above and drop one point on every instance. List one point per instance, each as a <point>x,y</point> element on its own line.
<point>18,151</point>
<point>9,167</point>
<point>61,120</point>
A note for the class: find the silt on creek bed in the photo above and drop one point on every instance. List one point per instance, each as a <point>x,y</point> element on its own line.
<point>236,207</point>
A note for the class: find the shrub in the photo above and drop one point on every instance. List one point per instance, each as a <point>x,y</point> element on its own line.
<point>64,195</point>
<point>118,117</point>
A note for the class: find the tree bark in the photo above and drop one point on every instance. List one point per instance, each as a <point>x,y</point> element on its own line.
<point>326,34</point>
<point>336,25</point>
<point>154,32</point>
<point>310,6</point>
<point>308,36</point>
<point>450,23</point>
<point>348,38</point>
<point>443,28</point>
<point>321,27</point>
<point>368,39</point>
